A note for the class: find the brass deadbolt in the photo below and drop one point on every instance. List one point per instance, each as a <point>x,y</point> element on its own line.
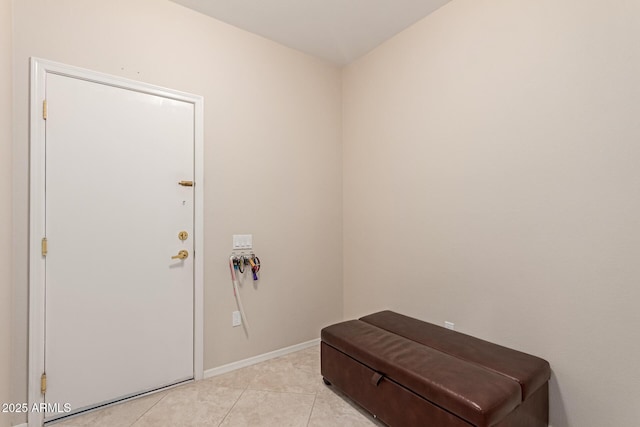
<point>183,235</point>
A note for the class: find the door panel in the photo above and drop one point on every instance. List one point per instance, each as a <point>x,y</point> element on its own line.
<point>119,310</point>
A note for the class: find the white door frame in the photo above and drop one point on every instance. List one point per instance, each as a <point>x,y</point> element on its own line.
<point>39,70</point>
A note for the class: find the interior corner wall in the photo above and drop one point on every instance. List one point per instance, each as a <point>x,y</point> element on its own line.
<point>491,179</point>
<point>5,204</point>
<point>272,161</point>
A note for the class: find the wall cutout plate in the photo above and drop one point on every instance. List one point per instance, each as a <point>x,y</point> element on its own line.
<point>450,325</point>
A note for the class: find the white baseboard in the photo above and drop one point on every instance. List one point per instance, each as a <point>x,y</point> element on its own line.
<point>257,359</point>
<point>21,425</point>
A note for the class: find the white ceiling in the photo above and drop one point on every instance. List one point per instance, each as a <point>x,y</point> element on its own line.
<point>337,30</point>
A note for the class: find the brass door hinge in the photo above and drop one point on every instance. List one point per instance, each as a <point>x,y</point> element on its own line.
<point>43,383</point>
<point>186,183</point>
<point>44,109</point>
<point>44,246</point>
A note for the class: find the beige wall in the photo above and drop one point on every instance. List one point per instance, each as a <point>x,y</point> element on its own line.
<point>272,156</point>
<point>491,179</point>
<point>5,204</point>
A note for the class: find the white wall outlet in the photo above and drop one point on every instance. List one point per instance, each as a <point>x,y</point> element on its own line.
<point>242,241</point>
<point>449,325</point>
<point>236,320</point>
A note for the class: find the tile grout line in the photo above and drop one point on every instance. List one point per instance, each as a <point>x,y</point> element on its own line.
<point>266,390</point>
<point>150,408</point>
<point>233,406</point>
<point>313,405</point>
<point>295,393</point>
<point>315,398</point>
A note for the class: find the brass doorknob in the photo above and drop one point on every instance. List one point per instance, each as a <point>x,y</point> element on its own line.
<point>181,255</point>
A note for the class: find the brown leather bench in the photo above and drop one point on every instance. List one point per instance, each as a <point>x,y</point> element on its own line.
<point>411,373</point>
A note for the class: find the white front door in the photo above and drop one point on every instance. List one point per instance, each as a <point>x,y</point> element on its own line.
<point>119,310</point>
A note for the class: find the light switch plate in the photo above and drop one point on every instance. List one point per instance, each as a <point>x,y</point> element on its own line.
<point>242,241</point>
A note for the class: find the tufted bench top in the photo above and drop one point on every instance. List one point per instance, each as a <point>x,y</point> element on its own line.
<point>529,371</point>
<point>478,381</point>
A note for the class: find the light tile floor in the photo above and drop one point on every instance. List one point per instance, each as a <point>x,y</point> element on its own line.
<point>286,391</point>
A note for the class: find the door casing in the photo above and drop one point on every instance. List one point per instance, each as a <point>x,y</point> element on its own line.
<point>37,262</point>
